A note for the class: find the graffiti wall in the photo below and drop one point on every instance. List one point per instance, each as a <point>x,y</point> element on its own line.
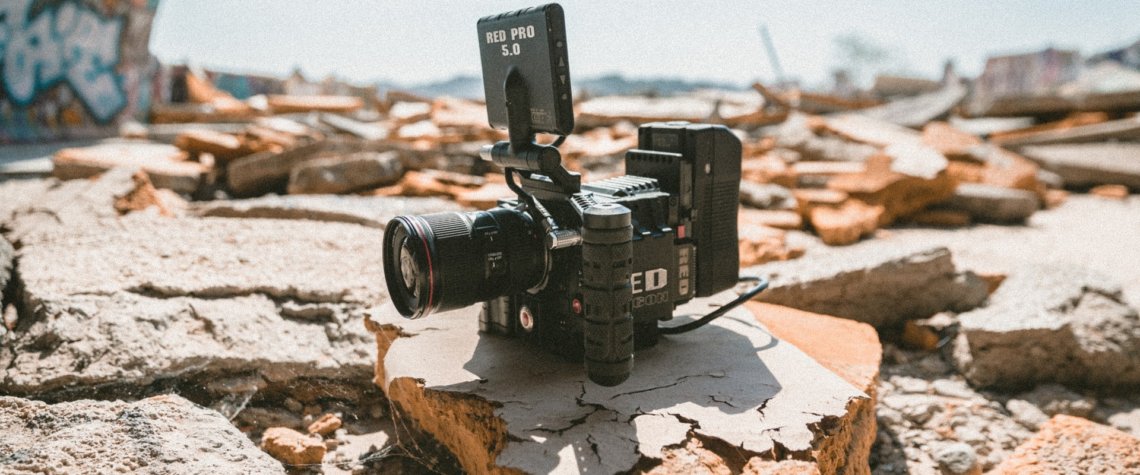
<point>73,68</point>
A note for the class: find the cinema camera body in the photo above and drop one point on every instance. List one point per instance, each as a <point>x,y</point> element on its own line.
<point>585,270</point>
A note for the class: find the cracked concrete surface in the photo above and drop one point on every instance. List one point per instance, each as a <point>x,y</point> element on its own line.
<point>501,405</point>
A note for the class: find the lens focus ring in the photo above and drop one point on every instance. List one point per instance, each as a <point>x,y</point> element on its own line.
<point>444,261</point>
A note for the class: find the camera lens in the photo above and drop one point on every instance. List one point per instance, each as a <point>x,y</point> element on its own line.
<point>444,261</point>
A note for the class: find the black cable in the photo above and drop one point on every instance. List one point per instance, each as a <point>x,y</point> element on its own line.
<point>762,284</point>
<point>558,141</point>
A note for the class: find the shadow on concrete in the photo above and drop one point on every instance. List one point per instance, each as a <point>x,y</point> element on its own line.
<point>708,375</point>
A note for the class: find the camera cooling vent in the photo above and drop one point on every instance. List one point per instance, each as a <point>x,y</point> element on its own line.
<point>620,186</point>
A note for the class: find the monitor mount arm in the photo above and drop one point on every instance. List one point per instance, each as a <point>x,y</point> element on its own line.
<point>538,166</point>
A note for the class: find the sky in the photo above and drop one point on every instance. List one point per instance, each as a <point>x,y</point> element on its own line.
<point>411,42</point>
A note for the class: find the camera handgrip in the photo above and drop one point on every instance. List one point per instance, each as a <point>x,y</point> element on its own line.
<point>607,257</point>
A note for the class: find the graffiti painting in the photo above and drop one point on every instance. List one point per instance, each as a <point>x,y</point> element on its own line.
<point>72,67</point>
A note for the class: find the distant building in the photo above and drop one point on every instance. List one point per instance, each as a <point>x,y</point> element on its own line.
<point>1031,74</point>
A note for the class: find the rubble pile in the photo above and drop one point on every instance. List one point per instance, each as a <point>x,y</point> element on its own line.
<point>840,168</point>
<point>952,291</point>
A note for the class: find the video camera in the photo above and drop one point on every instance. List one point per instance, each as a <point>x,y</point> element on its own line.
<point>585,270</point>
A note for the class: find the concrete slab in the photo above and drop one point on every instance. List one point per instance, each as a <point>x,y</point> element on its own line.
<point>166,434</point>
<point>1091,164</point>
<point>1051,324</point>
<point>112,302</point>
<point>500,405</point>
<point>876,283</point>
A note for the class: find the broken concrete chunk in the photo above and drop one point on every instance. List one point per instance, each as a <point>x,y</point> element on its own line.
<point>344,174</point>
<point>371,211</point>
<point>766,196</point>
<point>259,138</point>
<point>1053,399</point>
<point>916,160</point>
<point>1055,198</point>
<point>984,126</point>
<point>768,168</point>
<point>869,130</point>
<point>808,198</point>
<point>268,171</point>
<point>950,141</point>
<point>284,104</point>
<point>1114,192</point>
<point>992,204</point>
<point>462,113</point>
<point>1123,129</point>
<point>363,130</point>
<point>1076,119</point>
<point>817,173</point>
<point>145,197</point>
<point>326,425</point>
<point>285,126</point>
<point>874,282</point>
<point>106,345</point>
<point>846,223</point>
<point>292,447</point>
<point>1126,419</point>
<point>222,146</point>
<point>408,112</point>
<point>147,299</point>
<point>760,244</point>
<point>1091,164</point>
<point>779,219</point>
<point>1051,324</point>
<point>427,183</point>
<point>1026,414</point>
<point>795,134</point>
<point>461,158</point>
<point>499,404</point>
<point>918,110</point>
<point>958,459</point>
<point>899,194</point>
<point>423,129</point>
<point>166,164</point>
<point>166,434</point>
<point>1072,444</point>
<point>1007,169</point>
